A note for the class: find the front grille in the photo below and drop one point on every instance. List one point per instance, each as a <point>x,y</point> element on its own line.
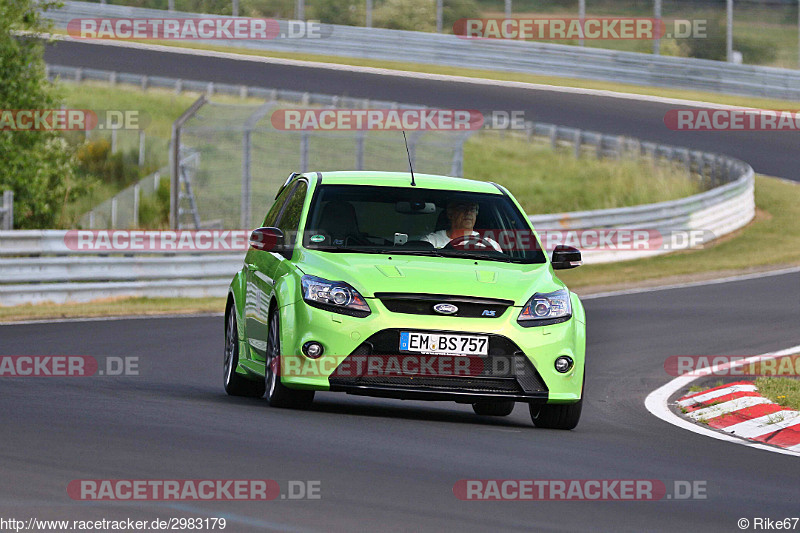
<point>506,370</point>
<point>422,304</point>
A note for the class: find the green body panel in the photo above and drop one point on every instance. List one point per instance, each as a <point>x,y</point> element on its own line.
<point>374,273</point>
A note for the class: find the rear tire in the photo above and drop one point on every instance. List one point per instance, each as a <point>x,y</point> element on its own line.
<point>235,383</point>
<point>278,395</point>
<point>493,408</point>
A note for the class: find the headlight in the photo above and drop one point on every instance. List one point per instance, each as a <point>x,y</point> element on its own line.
<point>336,296</point>
<point>543,309</point>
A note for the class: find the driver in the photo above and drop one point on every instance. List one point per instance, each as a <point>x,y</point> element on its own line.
<point>461,216</point>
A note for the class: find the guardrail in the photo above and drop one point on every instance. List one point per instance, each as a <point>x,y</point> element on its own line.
<point>512,56</point>
<point>7,211</point>
<point>74,275</point>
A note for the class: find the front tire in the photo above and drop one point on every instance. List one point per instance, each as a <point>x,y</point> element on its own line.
<point>235,383</point>
<point>493,408</point>
<point>556,416</point>
<point>279,395</point>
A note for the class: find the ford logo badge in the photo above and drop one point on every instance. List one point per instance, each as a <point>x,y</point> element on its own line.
<point>445,309</point>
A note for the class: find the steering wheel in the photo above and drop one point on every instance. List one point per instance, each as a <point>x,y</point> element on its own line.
<point>466,240</point>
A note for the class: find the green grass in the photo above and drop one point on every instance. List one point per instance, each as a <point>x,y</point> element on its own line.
<point>547,181</point>
<point>783,391</point>
<point>772,239</point>
<point>118,307</point>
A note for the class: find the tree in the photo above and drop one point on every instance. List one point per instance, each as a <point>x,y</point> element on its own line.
<point>36,165</point>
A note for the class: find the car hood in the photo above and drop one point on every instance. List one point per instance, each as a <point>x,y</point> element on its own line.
<point>375,273</point>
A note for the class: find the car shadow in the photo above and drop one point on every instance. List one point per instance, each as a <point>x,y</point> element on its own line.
<point>437,412</point>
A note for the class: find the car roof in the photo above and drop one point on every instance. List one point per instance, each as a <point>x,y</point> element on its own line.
<point>403,179</point>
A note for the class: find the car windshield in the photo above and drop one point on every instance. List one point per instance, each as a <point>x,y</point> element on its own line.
<point>398,220</point>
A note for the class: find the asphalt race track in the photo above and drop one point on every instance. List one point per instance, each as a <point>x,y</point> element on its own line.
<point>391,465</point>
<point>771,153</point>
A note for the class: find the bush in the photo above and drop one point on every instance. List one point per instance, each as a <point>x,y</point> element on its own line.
<point>283,9</point>
<point>351,13</point>
<point>417,15</point>
<point>154,210</point>
<point>458,9</point>
<point>94,158</point>
<point>714,45</point>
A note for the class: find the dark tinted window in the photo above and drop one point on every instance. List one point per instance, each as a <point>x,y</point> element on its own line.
<point>275,210</point>
<point>290,218</point>
<point>376,219</point>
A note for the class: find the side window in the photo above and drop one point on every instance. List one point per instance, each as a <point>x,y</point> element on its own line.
<point>275,210</point>
<point>290,218</point>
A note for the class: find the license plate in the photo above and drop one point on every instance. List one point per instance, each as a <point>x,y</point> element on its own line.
<point>444,343</point>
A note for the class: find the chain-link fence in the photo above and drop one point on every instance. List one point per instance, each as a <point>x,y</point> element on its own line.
<point>244,159</point>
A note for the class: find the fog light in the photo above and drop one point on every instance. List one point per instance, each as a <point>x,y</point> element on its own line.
<point>563,363</point>
<point>312,349</point>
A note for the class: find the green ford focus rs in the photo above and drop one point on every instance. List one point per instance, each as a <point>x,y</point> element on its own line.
<point>424,288</point>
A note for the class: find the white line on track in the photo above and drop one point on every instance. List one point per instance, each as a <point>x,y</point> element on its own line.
<point>657,403</point>
<point>108,318</point>
<point>730,279</point>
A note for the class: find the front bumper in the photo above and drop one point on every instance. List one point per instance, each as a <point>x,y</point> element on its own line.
<point>531,376</point>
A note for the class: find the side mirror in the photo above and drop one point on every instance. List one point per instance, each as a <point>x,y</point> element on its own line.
<point>267,239</point>
<point>565,257</point>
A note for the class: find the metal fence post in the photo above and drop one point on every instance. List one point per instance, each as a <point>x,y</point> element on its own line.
<point>657,16</point>
<point>136,199</point>
<point>360,149</point>
<point>578,143</point>
<point>114,213</point>
<point>729,30</point>
<point>244,214</point>
<point>439,10</point>
<point>8,210</point>
<point>141,148</point>
<point>175,160</point>
<point>304,152</point>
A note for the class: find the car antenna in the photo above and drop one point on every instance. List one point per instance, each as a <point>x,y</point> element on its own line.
<point>410,166</point>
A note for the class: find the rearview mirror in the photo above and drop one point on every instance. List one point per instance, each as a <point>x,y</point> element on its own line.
<point>565,257</point>
<point>267,239</point>
<point>415,208</point>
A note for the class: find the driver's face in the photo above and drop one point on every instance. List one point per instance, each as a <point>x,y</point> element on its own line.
<point>462,216</point>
